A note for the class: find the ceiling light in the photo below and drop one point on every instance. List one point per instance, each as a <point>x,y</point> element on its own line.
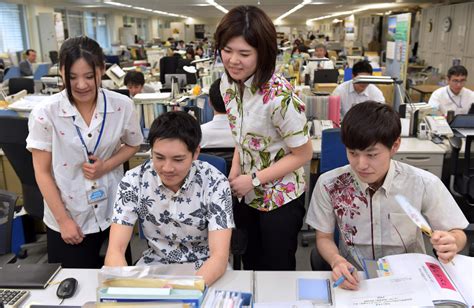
<point>117,4</point>
<point>296,8</point>
<point>217,6</point>
<point>364,8</point>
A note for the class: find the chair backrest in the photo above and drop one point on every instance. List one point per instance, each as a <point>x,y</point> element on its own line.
<point>218,162</point>
<point>41,70</point>
<point>190,77</point>
<point>13,72</point>
<point>226,153</point>
<point>13,133</point>
<point>7,207</point>
<point>54,56</point>
<point>333,151</point>
<point>15,85</point>
<point>168,65</point>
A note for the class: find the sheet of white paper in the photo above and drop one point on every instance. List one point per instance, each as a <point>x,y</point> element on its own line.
<point>385,292</point>
<point>391,50</point>
<point>413,213</point>
<point>463,275</point>
<point>152,96</point>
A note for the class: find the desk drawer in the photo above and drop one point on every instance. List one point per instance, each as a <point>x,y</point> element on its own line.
<point>419,160</point>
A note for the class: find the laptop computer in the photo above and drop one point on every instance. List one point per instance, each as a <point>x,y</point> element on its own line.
<point>326,76</point>
<point>28,276</point>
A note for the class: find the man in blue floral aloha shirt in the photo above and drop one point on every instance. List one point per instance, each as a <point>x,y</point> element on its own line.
<point>184,205</point>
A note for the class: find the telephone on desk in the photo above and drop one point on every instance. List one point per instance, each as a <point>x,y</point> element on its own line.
<point>437,125</point>
<point>317,127</point>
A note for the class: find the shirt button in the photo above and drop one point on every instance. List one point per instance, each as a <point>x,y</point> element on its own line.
<point>89,135</point>
<point>95,206</point>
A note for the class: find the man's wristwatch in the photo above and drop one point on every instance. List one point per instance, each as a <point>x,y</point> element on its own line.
<point>255,180</point>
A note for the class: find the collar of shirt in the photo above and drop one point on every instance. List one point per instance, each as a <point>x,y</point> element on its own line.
<point>187,182</point>
<point>352,90</point>
<point>69,110</point>
<point>220,117</point>
<point>454,95</point>
<point>387,183</point>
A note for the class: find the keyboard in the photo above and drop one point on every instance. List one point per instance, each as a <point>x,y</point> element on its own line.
<point>12,298</point>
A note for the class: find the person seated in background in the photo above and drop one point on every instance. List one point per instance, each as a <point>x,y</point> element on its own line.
<point>189,54</point>
<point>26,66</point>
<point>313,64</point>
<point>184,205</point>
<point>454,96</point>
<point>217,133</point>
<point>181,45</point>
<point>359,200</point>
<point>199,53</point>
<point>135,83</point>
<point>355,93</point>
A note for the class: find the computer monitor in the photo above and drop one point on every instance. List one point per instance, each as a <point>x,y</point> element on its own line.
<point>326,76</point>
<point>181,80</point>
<point>125,92</point>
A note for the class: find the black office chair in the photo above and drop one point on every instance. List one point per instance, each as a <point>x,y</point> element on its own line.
<point>225,153</point>
<point>13,133</point>
<point>54,56</point>
<point>168,65</point>
<point>461,180</point>
<point>7,209</point>
<point>191,78</point>
<point>15,85</point>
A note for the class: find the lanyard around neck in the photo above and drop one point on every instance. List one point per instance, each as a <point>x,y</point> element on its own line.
<point>100,133</point>
<point>452,99</point>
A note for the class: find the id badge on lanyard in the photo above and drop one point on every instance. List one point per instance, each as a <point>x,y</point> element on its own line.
<point>95,194</point>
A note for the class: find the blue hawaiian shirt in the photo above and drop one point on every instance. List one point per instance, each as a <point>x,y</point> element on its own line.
<point>176,225</point>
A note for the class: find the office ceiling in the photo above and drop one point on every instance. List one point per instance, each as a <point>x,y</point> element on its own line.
<point>274,8</point>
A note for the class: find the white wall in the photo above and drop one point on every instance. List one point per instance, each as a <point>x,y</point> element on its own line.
<point>437,47</point>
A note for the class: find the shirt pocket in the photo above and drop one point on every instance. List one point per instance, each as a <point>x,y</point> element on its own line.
<point>403,231</point>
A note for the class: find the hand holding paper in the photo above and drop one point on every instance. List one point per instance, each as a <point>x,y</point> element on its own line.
<point>445,245</point>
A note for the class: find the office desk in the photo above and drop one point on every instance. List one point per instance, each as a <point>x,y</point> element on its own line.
<point>88,282</point>
<point>275,286</point>
<point>425,89</point>
<point>423,154</point>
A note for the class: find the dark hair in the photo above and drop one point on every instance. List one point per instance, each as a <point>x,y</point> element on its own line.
<point>322,46</point>
<point>215,97</point>
<point>362,67</point>
<point>176,125</point>
<point>258,31</point>
<point>457,70</point>
<point>134,78</point>
<point>368,123</point>
<point>27,52</point>
<point>76,48</point>
<point>190,51</point>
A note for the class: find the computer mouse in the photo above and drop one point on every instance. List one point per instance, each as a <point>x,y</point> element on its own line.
<point>66,288</point>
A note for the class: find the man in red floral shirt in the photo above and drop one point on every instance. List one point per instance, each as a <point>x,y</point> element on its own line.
<point>359,199</point>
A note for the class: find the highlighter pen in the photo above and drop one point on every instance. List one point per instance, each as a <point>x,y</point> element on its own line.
<point>341,279</point>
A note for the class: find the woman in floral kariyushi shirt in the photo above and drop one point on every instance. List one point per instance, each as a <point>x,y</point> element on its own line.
<point>268,124</point>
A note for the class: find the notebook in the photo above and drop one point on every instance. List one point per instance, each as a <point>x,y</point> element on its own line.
<point>34,276</point>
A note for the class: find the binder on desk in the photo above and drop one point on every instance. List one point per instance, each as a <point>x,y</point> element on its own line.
<point>26,276</point>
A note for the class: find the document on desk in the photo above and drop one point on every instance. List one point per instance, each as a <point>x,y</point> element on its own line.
<point>385,292</point>
<point>295,304</point>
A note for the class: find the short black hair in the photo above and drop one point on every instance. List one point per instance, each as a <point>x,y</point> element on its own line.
<point>457,70</point>
<point>215,97</point>
<point>176,125</point>
<point>362,67</point>
<point>27,52</point>
<point>368,123</point>
<point>134,78</point>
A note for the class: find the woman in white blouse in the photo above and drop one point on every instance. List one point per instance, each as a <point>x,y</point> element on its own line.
<point>79,138</point>
<point>268,124</point>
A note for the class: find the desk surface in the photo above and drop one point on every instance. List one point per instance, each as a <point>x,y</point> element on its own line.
<point>425,88</point>
<point>88,282</point>
<point>409,145</point>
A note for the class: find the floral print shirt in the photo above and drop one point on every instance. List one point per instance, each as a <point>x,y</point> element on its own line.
<point>176,225</point>
<point>265,123</point>
<point>52,129</point>
<point>374,226</point>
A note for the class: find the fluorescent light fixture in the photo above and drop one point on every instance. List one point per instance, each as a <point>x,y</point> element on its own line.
<point>142,8</point>
<point>364,8</point>
<point>117,4</point>
<point>217,6</point>
<point>296,8</point>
